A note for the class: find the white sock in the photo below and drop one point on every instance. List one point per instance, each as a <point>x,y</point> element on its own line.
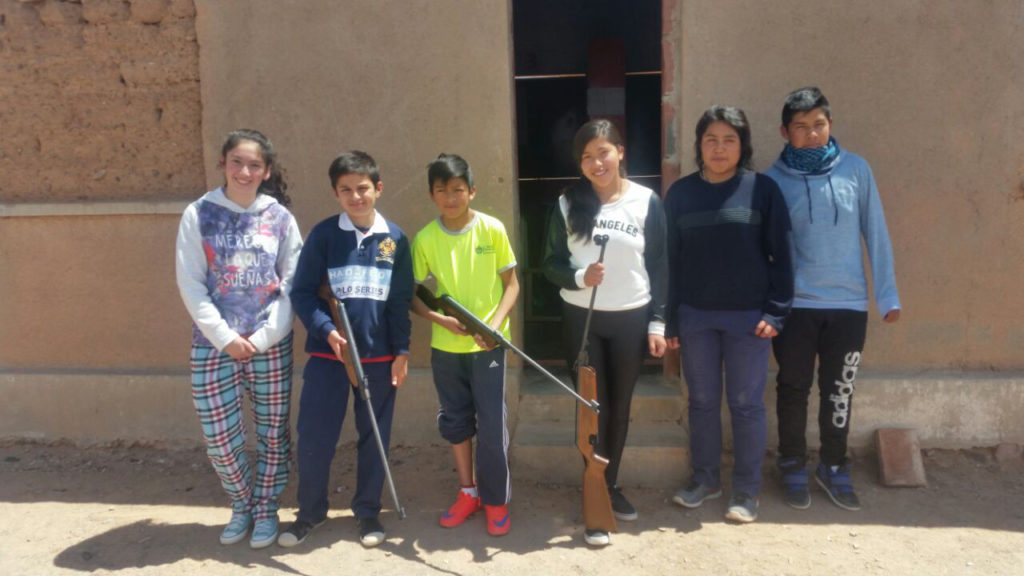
<point>471,490</point>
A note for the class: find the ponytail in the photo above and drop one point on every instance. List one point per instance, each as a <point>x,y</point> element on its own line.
<point>584,206</point>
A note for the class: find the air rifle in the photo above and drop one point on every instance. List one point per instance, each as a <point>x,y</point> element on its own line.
<point>597,503</point>
<point>354,369</point>
<point>474,325</point>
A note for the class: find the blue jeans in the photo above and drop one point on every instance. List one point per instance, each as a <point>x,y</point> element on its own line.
<point>711,340</point>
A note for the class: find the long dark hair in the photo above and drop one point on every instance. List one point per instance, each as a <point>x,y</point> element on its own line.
<point>584,205</point>
<point>275,185</point>
<point>735,118</point>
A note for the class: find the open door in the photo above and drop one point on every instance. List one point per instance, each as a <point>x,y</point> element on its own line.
<point>574,61</point>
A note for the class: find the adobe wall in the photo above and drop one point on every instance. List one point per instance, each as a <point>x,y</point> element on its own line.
<point>99,100</point>
<point>96,170</point>
<point>932,95</point>
<point>94,339</point>
<point>100,112</point>
<point>403,81</point>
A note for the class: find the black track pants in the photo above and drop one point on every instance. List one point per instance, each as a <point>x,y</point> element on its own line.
<point>836,339</point>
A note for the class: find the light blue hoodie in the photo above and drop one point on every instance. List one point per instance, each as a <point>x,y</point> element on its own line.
<point>830,211</point>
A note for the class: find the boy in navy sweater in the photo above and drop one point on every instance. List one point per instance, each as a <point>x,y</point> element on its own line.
<point>366,261</point>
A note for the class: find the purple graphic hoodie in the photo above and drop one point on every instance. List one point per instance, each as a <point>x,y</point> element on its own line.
<point>234,267</point>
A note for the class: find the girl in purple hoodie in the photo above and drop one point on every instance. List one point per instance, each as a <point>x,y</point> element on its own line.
<point>236,253</point>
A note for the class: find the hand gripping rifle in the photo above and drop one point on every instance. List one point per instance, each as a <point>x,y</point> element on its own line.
<point>354,369</point>
<point>491,337</point>
<point>597,504</point>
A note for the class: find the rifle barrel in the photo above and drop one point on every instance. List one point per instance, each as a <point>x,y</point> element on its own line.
<point>364,391</point>
<point>501,340</point>
<point>583,358</point>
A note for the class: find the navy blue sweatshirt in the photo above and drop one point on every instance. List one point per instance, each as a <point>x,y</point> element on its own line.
<point>728,247</point>
<point>370,272</point>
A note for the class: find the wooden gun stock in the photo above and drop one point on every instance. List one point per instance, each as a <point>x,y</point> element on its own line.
<point>446,304</point>
<point>597,504</point>
<point>324,292</point>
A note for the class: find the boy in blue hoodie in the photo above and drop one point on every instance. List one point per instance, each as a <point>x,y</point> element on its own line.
<point>833,204</point>
<point>367,263</point>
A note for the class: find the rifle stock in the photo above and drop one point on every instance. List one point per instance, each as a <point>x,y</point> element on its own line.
<point>597,504</point>
<point>324,292</point>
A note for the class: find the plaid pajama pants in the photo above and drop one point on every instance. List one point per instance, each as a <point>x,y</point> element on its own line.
<point>218,384</point>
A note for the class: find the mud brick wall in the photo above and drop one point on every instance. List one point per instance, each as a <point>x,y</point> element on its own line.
<point>99,100</point>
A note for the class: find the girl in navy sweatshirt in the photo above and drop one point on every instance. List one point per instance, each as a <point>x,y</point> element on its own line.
<point>730,290</point>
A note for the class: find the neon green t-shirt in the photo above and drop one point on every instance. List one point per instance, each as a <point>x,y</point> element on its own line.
<point>467,265</point>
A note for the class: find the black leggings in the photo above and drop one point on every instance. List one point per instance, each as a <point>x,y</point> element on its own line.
<point>617,343</point>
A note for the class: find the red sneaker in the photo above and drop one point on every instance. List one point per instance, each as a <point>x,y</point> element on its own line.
<point>464,507</point>
<point>497,520</point>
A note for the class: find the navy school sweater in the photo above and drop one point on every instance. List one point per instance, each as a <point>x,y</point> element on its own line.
<point>728,247</point>
<point>371,274</point>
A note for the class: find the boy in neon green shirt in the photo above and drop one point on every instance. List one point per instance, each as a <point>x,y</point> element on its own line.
<point>469,255</point>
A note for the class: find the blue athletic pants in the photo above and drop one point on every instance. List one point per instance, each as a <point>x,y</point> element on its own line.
<point>471,390</point>
<point>322,407</point>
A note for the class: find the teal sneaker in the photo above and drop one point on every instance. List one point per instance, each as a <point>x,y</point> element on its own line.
<point>237,529</point>
<point>264,533</point>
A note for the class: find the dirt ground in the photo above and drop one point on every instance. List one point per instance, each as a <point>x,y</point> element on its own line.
<point>141,510</point>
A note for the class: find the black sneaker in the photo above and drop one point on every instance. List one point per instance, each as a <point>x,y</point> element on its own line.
<point>620,506</point>
<point>596,538</point>
<point>371,532</point>
<point>296,533</point>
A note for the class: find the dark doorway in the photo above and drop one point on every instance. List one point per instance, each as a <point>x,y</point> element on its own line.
<point>554,72</point>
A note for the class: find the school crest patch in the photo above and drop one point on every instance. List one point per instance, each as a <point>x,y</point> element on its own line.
<point>386,251</point>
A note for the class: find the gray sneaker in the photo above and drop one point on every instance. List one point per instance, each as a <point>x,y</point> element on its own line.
<point>694,494</point>
<point>742,508</point>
